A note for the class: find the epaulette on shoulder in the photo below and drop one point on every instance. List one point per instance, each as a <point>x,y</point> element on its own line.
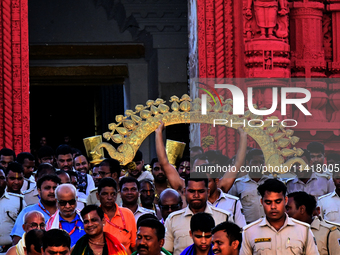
<point>27,191</point>
<point>174,214</point>
<point>93,190</point>
<point>288,180</point>
<point>300,222</point>
<point>327,176</point>
<point>321,197</point>
<point>220,210</point>
<point>15,194</point>
<point>335,224</point>
<point>240,179</point>
<point>252,224</point>
<point>231,196</point>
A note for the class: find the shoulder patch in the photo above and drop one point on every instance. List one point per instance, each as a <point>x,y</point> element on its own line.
<point>300,222</point>
<point>220,211</point>
<point>288,180</point>
<point>174,214</point>
<point>15,195</point>
<point>328,194</point>
<point>252,224</point>
<point>231,196</point>
<point>333,228</point>
<point>332,223</point>
<point>93,190</point>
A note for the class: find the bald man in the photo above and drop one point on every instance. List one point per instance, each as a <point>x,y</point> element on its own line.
<point>67,217</point>
<point>32,220</point>
<point>169,201</point>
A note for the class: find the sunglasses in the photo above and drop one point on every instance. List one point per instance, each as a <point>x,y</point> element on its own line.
<point>172,207</point>
<point>64,203</point>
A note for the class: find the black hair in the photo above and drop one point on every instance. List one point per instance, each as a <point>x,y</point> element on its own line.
<point>107,182</point>
<point>272,185</point>
<point>154,224</point>
<point>333,156</point>
<point>183,159</point>
<point>63,149</point>
<point>78,155</point>
<point>76,151</point>
<point>205,180</point>
<point>15,167</point>
<point>202,221</point>
<point>138,156</point>
<point>35,237</point>
<point>146,180</point>
<point>315,147</point>
<point>89,208</point>
<point>113,164</point>
<point>306,154</point>
<point>48,177</point>
<point>144,217</point>
<point>43,168</point>
<point>128,180</point>
<point>153,161</point>
<point>232,230</point>
<point>56,237</point>
<point>197,148</point>
<point>23,155</point>
<point>45,151</point>
<point>72,173</point>
<point>7,152</point>
<point>252,153</point>
<point>302,198</point>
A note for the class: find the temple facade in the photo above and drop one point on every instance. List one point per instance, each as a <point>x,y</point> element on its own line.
<point>69,67</point>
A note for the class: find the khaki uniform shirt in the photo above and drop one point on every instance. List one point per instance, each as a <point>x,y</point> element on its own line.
<point>32,196</point>
<point>141,210</point>
<point>327,237</point>
<point>318,185</point>
<point>92,198</point>
<point>231,204</point>
<point>10,205</point>
<point>177,227</point>
<point>330,207</point>
<point>246,189</point>
<point>29,184</point>
<point>293,238</point>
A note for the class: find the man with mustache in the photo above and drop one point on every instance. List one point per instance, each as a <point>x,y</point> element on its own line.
<point>226,239</point>
<point>277,233</point>
<point>47,205</point>
<point>14,177</point>
<point>150,237</point>
<point>147,196</point>
<point>161,182</point>
<point>201,225</point>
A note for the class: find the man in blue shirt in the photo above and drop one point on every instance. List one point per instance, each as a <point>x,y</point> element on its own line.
<point>67,217</point>
<point>47,205</point>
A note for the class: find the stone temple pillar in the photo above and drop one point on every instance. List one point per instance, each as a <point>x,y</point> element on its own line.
<point>14,84</point>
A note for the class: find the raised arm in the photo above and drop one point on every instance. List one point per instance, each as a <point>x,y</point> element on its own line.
<point>171,173</point>
<point>228,179</point>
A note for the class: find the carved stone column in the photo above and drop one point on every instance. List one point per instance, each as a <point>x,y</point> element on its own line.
<point>14,86</point>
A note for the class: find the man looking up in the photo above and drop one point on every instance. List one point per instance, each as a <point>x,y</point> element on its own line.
<point>301,206</point>
<point>201,225</point>
<point>129,190</point>
<point>277,233</point>
<point>27,161</point>
<point>226,239</point>
<point>150,237</point>
<point>169,201</point>
<point>10,206</point>
<point>14,177</point>
<point>6,156</point>
<point>32,220</point>
<point>120,221</point>
<point>47,204</point>
<point>56,241</point>
<point>177,236</point>
<point>67,217</point>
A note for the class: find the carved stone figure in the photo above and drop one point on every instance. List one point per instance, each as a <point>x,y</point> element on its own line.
<point>266,14</point>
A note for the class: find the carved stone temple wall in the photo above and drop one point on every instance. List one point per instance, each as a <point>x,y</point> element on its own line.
<point>274,39</point>
<point>14,87</point>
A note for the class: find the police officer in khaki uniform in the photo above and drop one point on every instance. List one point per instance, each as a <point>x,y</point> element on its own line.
<point>330,204</point>
<point>301,206</point>
<point>277,233</point>
<point>10,206</point>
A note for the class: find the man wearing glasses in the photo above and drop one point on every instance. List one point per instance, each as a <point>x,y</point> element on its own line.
<point>169,201</point>
<point>67,217</point>
<point>32,220</point>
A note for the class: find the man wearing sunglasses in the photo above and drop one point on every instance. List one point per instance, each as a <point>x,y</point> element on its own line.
<point>67,217</point>
<point>169,201</point>
<point>32,220</point>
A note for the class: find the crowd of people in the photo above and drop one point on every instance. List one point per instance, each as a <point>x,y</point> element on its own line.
<point>57,203</point>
